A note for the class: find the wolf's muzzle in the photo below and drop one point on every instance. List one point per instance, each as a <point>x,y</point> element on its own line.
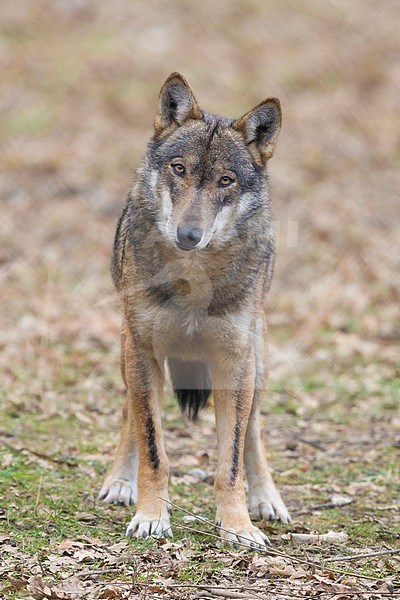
<point>189,237</point>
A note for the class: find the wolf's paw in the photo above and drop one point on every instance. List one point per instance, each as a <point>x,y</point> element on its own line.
<point>252,537</point>
<point>267,504</point>
<point>143,526</point>
<point>119,491</point>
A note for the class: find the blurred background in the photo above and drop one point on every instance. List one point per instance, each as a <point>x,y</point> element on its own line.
<point>80,81</point>
<point>79,87</point>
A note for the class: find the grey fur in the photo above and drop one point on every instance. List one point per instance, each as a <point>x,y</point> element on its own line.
<point>235,258</point>
<point>193,259</point>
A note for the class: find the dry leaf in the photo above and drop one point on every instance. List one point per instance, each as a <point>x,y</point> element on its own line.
<point>288,571</point>
<point>69,545</point>
<point>359,488</point>
<point>110,592</point>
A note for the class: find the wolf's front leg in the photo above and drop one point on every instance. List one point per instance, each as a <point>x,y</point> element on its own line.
<point>233,394</point>
<point>144,379</point>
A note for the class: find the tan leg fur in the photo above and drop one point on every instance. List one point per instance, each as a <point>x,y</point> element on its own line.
<point>120,484</point>
<point>233,395</point>
<point>141,448</point>
<point>264,499</point>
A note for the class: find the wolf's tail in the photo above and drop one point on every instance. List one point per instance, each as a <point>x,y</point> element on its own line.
<point>192,385</point>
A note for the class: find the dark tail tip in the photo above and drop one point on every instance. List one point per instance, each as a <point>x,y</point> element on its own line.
<point>192,385</point>
<point>192,401</point>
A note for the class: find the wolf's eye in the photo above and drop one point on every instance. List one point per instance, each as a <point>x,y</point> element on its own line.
<point>225,181</point>
<point>178,168</point>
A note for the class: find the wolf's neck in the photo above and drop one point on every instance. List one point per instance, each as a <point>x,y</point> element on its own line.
<point>226,275</point>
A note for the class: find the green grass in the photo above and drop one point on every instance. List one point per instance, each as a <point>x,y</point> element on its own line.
<point>32,121</point>
<point>44,498</point>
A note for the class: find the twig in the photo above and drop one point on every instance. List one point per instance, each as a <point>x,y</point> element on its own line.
<point>313,443</point>
<point>214,535</point>
<point>97,572</point>
<point>6,433</point>
<point>277,552</point>
<point>226,594</point>
<point>198,518</point>
<point>310,509</point>
<point>308,538</point>
<point>41,567</point>
<point>203,586</point>
<point>366,555</point>
<point>58,461</point>
<point>269,549</point>
<point>295,559</point>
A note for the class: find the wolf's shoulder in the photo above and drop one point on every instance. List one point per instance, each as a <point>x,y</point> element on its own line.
<point>120,242</point>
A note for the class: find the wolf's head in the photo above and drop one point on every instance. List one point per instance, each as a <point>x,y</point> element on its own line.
<point>206,173</point>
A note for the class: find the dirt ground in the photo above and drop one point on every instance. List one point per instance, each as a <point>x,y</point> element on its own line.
<point>79,87</point>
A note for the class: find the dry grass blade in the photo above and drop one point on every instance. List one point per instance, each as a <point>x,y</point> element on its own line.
<point>227,594</point>
<point>213,535</point>
<point>93,572</point>
<point>365,555</point>
<point>272,551</point>
<point>52,459</point>
<point>38,494</point>
<point>214,525</point>
<point>228,589</point>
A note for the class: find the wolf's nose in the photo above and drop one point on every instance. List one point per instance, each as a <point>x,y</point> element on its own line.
<point>189,237</point>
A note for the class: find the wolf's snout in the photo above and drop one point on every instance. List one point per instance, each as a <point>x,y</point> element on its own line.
<point>189,237</point>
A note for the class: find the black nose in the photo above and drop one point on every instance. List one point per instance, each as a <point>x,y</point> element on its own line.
<point>189,237</point>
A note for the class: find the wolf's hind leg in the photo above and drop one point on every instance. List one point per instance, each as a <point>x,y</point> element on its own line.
<point>264,499</point>
<point>120,484</point>
<point>144,376</point>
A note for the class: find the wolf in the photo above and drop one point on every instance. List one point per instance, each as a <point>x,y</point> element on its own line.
<point>192,262</point>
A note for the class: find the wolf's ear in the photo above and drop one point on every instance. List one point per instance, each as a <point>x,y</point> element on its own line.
<point>260,127</point>
<point>176,104</point>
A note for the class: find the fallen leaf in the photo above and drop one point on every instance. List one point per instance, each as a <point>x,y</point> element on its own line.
<point>110,592</point>
<point>69,545</point>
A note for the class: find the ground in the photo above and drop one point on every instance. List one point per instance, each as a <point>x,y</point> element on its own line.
<point>80,83</point>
